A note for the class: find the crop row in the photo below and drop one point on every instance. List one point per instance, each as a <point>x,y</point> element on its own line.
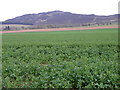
<point>60,66</point>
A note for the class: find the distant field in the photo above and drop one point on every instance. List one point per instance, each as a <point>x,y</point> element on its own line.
<point>14,26</point>
<point>61,59</point>
<point>26,27</point>
<point>60,29</point>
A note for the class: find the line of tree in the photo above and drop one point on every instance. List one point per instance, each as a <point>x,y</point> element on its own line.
<point>6,28</point>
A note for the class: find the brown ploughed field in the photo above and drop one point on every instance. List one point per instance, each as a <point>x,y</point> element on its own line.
<point>60,29</point>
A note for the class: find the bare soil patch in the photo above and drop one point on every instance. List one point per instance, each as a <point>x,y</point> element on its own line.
<point>60,29</point>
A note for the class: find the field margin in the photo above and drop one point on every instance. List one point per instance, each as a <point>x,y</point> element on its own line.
<point>60,29</point>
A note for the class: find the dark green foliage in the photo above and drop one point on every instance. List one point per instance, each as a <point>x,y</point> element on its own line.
<point>61,62</point>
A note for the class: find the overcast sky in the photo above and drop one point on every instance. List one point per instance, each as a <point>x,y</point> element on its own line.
<point>12,8</point>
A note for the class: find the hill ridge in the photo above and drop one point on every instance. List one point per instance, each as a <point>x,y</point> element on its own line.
<point>60,17</point>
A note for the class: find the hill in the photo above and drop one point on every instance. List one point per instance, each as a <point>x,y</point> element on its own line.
<point>61,18</point>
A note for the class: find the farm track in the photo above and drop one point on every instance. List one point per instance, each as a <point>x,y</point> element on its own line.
<point>61,29</point>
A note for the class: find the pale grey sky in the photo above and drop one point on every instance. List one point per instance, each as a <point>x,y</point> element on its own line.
<point>13,8</point>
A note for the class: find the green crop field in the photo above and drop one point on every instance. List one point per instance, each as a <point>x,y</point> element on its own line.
<point>61,59</point>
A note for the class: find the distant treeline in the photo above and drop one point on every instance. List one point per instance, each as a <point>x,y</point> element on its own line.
<point>16,23</point>
<point>28,26</point>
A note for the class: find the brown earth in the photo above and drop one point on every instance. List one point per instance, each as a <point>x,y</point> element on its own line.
<point>61,29</point>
